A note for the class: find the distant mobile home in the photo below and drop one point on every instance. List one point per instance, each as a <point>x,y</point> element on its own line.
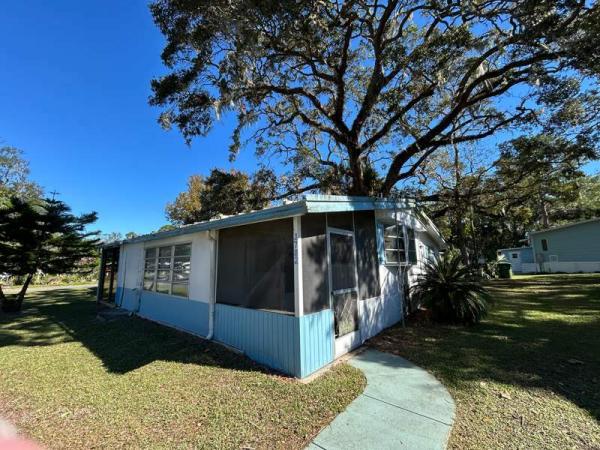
<point>293,287</point>
<point>569,248</point>
<point>520,259</point>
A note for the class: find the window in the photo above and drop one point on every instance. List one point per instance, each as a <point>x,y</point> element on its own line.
<point>515,256</point>
<point>544,245</point>
<point>393,238</point>
<point>167,269</point>
<point>412,246</point>
<point>395,247</point>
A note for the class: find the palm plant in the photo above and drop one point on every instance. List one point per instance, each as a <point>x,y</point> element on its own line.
<point>452,291</point>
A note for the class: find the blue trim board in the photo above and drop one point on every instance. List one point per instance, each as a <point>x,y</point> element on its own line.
<point>184,314</point>
<point>316,341</point>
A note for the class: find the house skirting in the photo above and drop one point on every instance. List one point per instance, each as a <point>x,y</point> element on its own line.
<point>184,314</point>
<point>296,346</point>
<point>571,266</point>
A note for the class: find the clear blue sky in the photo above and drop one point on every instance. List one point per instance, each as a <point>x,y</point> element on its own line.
<point>74,83</point>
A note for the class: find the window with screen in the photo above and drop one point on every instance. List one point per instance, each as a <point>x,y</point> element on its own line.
<point>393,237</point>
<point>544,245</point>
<point>167,269</point>
<point>256,266</point>
<point>395,247</point>
<point>412,246</point>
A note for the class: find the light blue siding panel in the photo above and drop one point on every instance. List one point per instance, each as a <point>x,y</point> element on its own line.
<point>261,335</point>
<point>578,243</point>
<point>527,255</point>
<point>118,294</point>
<point>316,341</point>
<point>185,314</point>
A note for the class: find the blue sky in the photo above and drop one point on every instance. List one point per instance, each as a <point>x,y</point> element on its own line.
<point>74,85</point>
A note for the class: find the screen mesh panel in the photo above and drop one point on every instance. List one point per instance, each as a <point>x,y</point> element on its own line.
<point>343,275</point>
<point>314,263</point>
<point>256,266</point>
<point>367,263</point>
<point>343,283</point>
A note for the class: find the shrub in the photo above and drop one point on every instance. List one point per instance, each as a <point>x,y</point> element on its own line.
<point>453,292</point>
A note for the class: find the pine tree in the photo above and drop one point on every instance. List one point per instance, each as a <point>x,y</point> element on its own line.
<point>41,236</point>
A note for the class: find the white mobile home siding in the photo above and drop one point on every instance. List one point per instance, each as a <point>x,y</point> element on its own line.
<point>295,342</point>
<point>188,314</point>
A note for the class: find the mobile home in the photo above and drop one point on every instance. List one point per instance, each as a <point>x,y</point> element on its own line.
<point>569,248</point>
<point>293,286</point>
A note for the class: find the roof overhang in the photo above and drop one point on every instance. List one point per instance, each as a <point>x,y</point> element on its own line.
<point>307,204</point>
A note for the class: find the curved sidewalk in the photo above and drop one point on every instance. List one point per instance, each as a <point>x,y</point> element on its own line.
<point>402,407</point>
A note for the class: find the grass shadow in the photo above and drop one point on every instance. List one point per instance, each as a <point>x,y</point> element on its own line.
<point>543,332</point>
<point>52,317</point>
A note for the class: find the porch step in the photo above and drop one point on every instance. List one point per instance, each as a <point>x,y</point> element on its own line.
<point>110,314</point>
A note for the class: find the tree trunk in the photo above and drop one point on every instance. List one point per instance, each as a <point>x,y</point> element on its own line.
<point>358,186</point>
<point>459,212</point>
<point>14,304</point>
<point>544,212</point>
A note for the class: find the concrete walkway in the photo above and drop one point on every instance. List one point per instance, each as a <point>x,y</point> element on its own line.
<point>402,407</point>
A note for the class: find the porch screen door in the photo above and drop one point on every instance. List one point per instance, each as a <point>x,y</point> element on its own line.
<point>344,288</point>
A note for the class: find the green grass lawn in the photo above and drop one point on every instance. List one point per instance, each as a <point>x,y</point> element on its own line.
<point>526,377</point>
<point>70,381</point>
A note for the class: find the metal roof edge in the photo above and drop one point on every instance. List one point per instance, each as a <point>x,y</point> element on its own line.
<point>515,248</point>
<point>433,228</point>
<point>276,212</point>
<point>310,203</point>
<point>567,225</point>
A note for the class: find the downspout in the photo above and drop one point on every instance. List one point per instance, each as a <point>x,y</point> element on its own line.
<point>124,278</point>
<point>211,304</point>
<point>400,280</point>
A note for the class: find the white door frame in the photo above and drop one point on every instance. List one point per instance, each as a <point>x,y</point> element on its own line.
<point>347,342</point>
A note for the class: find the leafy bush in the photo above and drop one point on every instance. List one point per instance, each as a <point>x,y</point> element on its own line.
<point>453,292</point>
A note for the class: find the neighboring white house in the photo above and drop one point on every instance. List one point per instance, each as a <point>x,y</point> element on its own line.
<point>293,286</point>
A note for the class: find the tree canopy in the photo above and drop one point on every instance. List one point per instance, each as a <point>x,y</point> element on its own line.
<point>14,173</point>
<point>484,203</point>
<point>357,95</point>
<point>222,192</point>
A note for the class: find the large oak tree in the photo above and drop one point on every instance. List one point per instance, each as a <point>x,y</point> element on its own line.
<point>356,95</point>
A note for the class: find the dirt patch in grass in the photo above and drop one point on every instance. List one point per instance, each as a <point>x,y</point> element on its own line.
<point>526,377</point>
<point>68,380</point>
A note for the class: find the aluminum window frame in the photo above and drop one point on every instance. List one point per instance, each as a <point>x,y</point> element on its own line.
<point>171,269</point>
<point>403,254</point>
